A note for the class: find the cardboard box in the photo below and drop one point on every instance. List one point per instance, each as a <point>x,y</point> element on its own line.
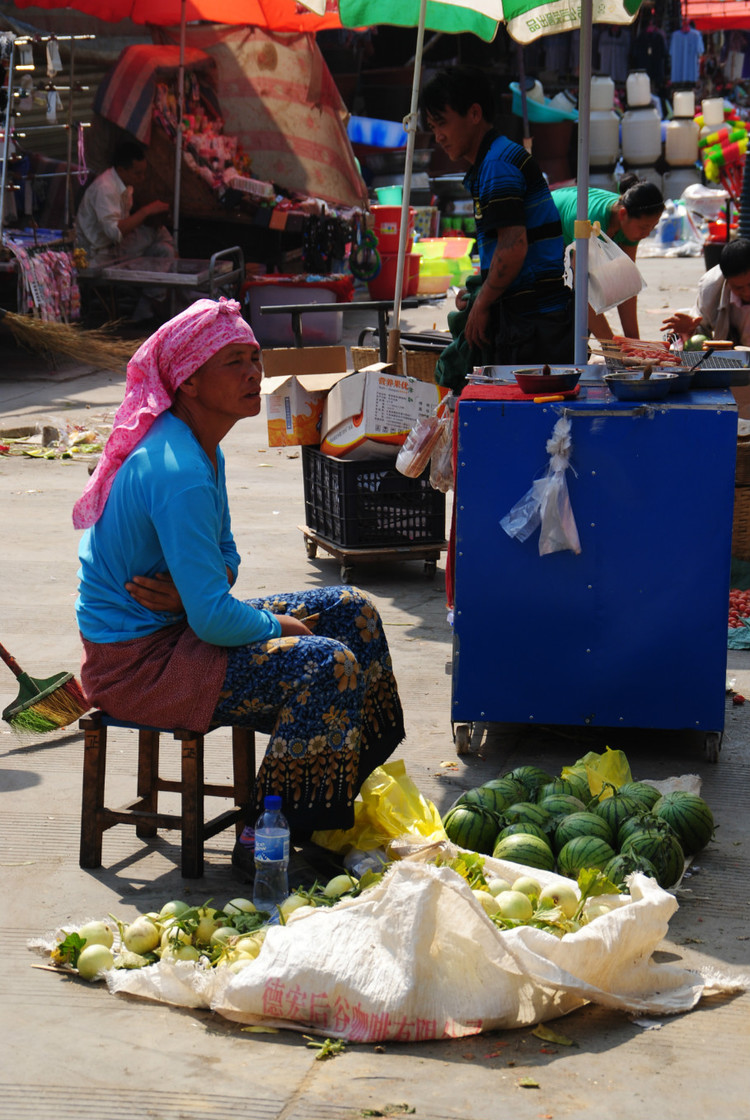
<point>295,384</point>
<point>369,414</point>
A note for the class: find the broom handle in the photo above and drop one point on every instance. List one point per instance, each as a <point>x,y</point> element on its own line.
<point>10,662</point>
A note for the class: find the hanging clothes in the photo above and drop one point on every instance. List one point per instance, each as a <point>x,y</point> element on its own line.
<point>685,49</point>
<point>614,50</point>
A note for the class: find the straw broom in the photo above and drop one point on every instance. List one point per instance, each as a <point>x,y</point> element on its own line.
<point>95,347</point>
<point>43,705</point>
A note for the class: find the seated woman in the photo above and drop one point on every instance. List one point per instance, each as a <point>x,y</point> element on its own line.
<point>626,218</point>
<point>166,643</point>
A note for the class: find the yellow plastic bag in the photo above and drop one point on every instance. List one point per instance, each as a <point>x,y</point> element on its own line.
<point>389,806</point>
<point>611,767</point>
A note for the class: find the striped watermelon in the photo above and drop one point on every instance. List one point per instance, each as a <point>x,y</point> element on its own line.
<point>581,824</point>
<point>525,827</point>
<point>641,822</point>
<point>526,811</point>
<point>472,827</point>
<point>506,790</point>
<point>689,816</point>
<point>526,849</point>
<point>561,805</point>
<point>583,852</point>
<point>663,849</point>
<point>531,777</point>
<point>642,792</point>
<point>485,798</point>
<point>615,810</point>
<point>625,864</point>
<point>579,781</point>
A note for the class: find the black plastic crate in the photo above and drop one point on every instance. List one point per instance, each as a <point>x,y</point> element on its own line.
<point>368,503</point>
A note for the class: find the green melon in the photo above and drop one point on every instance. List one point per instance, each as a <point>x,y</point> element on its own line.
<point>640,822</point>
<point>485,798</point>
<point>532,779</point>
<point>664,851</point>
<point>526,849</point>
<point>689,817</point>
<point>525,827</point>
<point>581,824</point>
<point>561,805</point>
<point>615,810</point>
<point>644,793</point>
<point>579,782</point>
<point>526,811</point>
<point>507,790</point>
<point>472,827</point>
<point>583,852</point>
<point>624,864</point>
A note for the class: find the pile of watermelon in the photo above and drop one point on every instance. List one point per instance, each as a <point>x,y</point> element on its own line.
<point>530,817</point>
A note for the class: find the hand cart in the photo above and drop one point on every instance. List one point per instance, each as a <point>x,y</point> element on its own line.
<point>348,557</point>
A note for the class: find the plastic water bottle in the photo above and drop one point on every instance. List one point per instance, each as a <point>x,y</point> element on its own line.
<point>271,857</point>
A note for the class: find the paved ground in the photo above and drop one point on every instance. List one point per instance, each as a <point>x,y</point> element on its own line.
<point>73,1050</point>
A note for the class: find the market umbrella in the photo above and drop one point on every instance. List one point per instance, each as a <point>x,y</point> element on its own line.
<point>274,15</point>
<point>526,20</point>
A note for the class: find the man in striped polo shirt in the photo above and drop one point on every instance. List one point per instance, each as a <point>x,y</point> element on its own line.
<point>523,310</point>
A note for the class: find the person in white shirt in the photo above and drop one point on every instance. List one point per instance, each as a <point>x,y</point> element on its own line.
<point>108,228</point>
<point>722,307</point>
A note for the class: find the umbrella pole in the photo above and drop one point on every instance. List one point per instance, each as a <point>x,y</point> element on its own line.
<point>410,123</point>
<point>178,137</point>
<point>581,318</point>
<point>527,141</point>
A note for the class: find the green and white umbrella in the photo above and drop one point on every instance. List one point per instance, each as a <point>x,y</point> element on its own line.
<point>526,20</point>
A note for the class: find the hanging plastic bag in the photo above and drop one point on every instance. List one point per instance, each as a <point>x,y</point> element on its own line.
<point>416,450</point>
<point>547,503</point>
<point>613,276</point>
<point>441,464</point>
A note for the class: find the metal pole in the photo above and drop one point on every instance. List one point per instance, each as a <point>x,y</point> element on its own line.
<point>411,135</point>
<point>70,136</point>
<point>6,138</point>
<point>581,317</point>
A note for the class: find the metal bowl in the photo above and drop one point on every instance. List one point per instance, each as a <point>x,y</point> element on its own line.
<point>556,381</point>
<point>634,387</point>
<point>683,382</point>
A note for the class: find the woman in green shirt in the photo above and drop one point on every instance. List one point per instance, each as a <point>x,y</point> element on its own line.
<point>627,218</point>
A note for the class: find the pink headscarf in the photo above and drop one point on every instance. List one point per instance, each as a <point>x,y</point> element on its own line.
<point>155,372</point>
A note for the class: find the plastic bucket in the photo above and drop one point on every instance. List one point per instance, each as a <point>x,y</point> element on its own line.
<point>383,286</point>
<point>390,196</point>
<point>387,223</point>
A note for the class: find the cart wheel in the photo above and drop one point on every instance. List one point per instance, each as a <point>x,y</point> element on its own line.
<point>430,567</point>
<point>346,573</point>
<point>712,746</point>
<point>311,548</point>
<point>462,738</point>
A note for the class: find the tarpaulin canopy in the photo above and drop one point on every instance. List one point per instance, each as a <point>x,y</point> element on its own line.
<point>718,15</point>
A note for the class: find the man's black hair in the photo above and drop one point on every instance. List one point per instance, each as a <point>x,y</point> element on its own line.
<point>735,257</point>
<point>458,88</point>
<point>127,153</point>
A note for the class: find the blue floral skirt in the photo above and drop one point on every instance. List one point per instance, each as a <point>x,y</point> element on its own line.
<point>329,703</point>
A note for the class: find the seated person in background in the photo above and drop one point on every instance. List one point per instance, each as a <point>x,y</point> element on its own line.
<point>166,642</point>
<point>626,218</point>
<point>108,228</point>
<point>722,307</point>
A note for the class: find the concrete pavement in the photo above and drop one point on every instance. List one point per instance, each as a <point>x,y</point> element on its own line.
<point>72,1049</point>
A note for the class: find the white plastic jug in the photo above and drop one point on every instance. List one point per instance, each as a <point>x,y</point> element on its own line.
<point>683,103</point>
<point>638,89</point>
<point>641,136</point>
<point>681,142</point>
<point>602,93</point>
<point>713,111</point>
<point>536,93</point>
<point>604,138</point>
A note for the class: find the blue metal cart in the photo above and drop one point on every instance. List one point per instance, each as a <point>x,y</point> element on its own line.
<point>632,632</point>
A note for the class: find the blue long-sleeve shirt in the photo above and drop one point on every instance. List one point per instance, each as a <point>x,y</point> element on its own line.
<point>167,511</point>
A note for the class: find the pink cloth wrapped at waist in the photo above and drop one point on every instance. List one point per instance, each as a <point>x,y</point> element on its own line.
<point>168,679</point>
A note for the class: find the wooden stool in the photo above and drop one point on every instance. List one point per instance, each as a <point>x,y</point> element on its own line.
<point>144,813</point>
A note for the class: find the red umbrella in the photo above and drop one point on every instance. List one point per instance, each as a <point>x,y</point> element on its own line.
<point>275,15</point>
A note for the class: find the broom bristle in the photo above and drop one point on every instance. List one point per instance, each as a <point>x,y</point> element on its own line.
<point>61,707</point>
<point>96,347</point>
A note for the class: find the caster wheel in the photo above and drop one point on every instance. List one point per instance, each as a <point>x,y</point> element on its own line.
<point>712,746</point>
<point>462,738</point>
<point>430,567</point>
<point>346,573</point>
<point>311,548</point>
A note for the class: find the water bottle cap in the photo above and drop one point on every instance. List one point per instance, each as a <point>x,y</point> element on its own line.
<point>272,801</point>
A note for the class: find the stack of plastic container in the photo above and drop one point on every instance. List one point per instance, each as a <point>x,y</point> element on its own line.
<point>641,129</point>
<point>604,134</point>
<point>681,146</point>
